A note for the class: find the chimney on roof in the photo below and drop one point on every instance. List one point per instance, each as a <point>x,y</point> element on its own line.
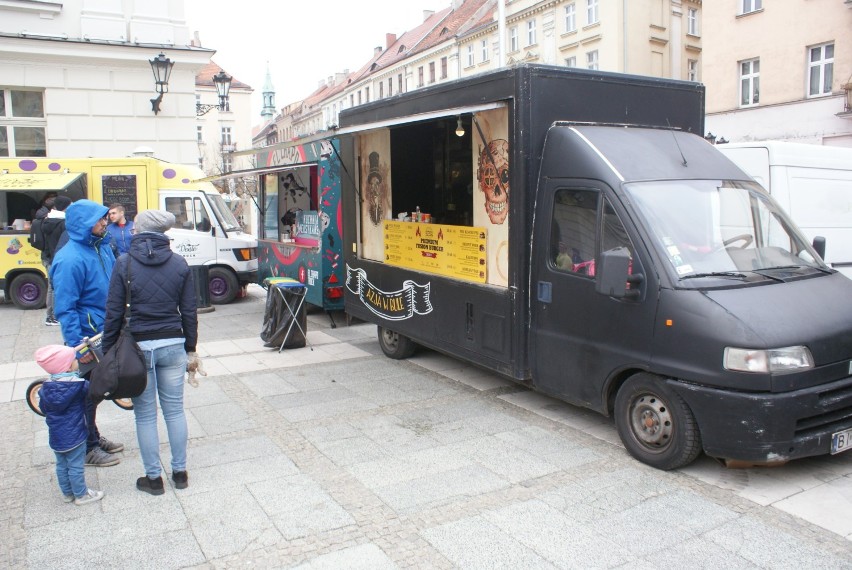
<point>377,50</point>
<point>427,14</point>
<point>196,40</point>
<point>339,77</point>
<point>457,4</point>
<point>389,39</point>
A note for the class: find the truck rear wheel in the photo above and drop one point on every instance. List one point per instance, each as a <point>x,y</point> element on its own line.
<point>655,423</point>
<point>395,345</point>
<point>224,286</point>
<point>28,291</point>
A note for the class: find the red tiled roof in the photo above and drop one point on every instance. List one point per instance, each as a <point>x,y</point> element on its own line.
<point>205,77</point>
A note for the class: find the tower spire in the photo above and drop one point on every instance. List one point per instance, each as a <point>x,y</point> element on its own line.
<point>268,110</point>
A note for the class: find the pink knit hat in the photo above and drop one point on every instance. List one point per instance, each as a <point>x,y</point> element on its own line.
<point>55,358</point>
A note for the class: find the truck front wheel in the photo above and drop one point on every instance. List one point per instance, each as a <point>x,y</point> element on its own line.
<point>655,423</point>
<point>28,291</point>
<point>223,286</point>
<point>395,345</point>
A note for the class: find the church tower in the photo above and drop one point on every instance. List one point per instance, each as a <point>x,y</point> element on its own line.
<point>268,111</point>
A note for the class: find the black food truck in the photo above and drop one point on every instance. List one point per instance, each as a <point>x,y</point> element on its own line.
<point>573,231</point>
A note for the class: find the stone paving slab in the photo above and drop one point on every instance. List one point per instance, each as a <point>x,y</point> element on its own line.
<point>338,457</point>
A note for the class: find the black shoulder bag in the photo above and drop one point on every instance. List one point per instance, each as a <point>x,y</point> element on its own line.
<point>122,372</point>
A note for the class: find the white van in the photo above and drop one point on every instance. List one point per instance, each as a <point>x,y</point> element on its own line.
<point>812,182</point>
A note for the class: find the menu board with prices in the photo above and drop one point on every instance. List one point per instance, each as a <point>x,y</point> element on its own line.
<point>452,251</point>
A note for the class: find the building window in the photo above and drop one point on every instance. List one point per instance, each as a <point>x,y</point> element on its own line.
<point>820,70</point>
<point>227,164</point>
<point>513,38</point>
<point>381,90</point>
<point>692,21</point>
<point>200,133</point>
<point>692,70</point>
<point>366,94</point>
<point>351,100</point>
<point>592,14</point>
<point>570,18</point>
<point>571,61</point>
<point>443,68</point>
<point>592,59</point>
<point>420,76</point>
<point>390,86</point>
<point>751,6</point>
<point>226,136</point>
<point>531,32</point>
<point>470,60</point>
<point>22,123</point>
<point>399,84</point>
<point>431,72</point>
<point>359,96</point>
<point>484,47</point>
<point>749,82</point>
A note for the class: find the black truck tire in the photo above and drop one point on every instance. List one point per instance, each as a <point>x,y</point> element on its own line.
<point>655,423</point>
<point>395,345</point>
<point>28,291</point>
<point>224,286</point>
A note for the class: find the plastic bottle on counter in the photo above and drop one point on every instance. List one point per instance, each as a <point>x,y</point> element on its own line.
<point>417,214</point>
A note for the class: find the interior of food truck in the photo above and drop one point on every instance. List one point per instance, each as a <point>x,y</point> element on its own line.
<point>443,186</point>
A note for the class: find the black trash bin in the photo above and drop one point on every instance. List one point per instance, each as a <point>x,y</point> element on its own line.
<point>284,320</point>
<point>201,276</point>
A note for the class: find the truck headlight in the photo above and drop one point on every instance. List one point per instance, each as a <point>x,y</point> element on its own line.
<point>245,253</point>
<point>780,360</point>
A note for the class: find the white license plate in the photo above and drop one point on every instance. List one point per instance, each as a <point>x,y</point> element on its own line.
<point>841,441</point>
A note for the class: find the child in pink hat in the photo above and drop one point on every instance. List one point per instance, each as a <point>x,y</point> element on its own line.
<point>63,401</point>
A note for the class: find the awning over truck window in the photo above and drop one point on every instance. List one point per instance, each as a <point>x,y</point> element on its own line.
<point>37,181</point>
<point>256,171</point>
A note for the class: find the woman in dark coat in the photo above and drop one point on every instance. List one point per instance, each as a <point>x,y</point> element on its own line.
<point>163,320</point>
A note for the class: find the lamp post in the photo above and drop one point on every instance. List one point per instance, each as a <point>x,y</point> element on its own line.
<point>162,68</point>
<point>222,81</point>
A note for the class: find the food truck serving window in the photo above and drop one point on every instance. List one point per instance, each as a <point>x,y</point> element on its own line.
<point>450,171</point>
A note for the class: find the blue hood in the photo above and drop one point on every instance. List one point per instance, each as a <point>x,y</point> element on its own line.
<point>80,217</point>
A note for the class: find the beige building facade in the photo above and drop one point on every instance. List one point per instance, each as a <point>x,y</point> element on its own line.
<point>779,70</point>
<point>661,38</point>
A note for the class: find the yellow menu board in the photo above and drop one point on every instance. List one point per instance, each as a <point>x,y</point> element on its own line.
<point>452,251</point>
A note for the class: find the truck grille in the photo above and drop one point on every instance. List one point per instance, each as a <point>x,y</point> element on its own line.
<point>837,413</point>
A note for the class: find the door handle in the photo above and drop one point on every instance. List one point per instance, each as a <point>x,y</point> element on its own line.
<point>545,291</point>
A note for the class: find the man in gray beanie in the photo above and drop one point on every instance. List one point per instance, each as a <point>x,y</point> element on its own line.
<point>159,221</point>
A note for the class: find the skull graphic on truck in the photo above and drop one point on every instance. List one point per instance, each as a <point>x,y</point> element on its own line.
<point>493,176</point>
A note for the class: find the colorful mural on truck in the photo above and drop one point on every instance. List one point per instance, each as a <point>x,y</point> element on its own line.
<point>312,251</point>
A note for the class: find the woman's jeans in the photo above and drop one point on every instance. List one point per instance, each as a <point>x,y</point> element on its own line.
<point>70,471</point>
<point>166,372</point>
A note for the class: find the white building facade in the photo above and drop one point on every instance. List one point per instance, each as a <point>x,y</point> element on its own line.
<point>76,80</point>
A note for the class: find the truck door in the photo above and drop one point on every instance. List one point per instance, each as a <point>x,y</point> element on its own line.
<point>579,337</point>
<point>191,235</point>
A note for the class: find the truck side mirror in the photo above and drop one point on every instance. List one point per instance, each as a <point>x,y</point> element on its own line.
<point>819,246</point>
<point>612,273</point>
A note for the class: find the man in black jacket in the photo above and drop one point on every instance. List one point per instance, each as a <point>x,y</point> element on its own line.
<point>52,229</point>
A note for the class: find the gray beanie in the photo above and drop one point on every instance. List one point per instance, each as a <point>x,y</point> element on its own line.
<point>154,221</point>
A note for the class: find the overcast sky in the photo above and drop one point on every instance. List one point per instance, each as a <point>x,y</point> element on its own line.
<point>303,41</point>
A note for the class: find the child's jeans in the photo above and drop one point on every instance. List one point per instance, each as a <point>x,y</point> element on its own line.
<point>71,470</point>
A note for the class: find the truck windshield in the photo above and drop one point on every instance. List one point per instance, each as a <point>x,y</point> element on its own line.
<point>712,232</point>
<point>223,213</point>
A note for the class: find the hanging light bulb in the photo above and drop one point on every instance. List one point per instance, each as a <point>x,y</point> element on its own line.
<point>459,128</point>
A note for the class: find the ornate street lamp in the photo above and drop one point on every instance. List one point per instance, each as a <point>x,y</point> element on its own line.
<point>162,68</point>
<point>222,81</point>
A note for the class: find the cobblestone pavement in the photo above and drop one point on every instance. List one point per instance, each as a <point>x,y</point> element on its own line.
<point>333,456</point>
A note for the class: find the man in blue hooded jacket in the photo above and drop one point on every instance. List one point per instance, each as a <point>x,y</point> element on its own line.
<point>80,273</point>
